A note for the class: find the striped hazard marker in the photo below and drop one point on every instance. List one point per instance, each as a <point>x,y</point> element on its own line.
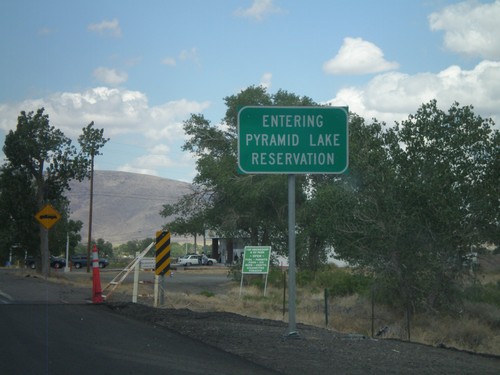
<point>162,253</point>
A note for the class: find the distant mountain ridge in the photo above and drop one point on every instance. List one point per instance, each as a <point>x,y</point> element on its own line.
<point>126,206</point>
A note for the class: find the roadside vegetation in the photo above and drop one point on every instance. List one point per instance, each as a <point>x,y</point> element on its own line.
<point>419,201</point>
<point>474,325</point>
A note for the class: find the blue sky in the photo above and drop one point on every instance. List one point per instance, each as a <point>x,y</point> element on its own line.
<point>139,69</point>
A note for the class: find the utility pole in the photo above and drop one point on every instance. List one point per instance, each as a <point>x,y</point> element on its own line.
<point>90,208</point>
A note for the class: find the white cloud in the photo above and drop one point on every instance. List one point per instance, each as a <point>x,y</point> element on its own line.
<point>118,111</point>
<point>392,96</point>
<point>109,76</point>
<point>45,31</point>
<point>357,56</point>
<point>124,115</point>
<point>470,28</point>
<point>169,61</point>
<point>258,10</point>
<point>132,169</point>
<point>190,54</point>
<point>161,157</point>
<point>184,55</point>
<point>148,162</point>
<point>111,28</point>
<point>266,79</point>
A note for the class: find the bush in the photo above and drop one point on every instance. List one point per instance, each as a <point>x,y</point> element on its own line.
<point>275,277</point>
<point>344,283</point>
<point>469,334</point>
<point>339,282</point>
<point>234,272</point>
<point>305,277</point>
<point>486,313</point>
<point>489,293</point>
<point>207,293</point>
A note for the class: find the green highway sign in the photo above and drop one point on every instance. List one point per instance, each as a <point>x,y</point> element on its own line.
<point>256,259</point>
<point>293,140</point>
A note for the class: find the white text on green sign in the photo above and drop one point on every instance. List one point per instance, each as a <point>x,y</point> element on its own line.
<point>293,139</point>
<point>256,259</point>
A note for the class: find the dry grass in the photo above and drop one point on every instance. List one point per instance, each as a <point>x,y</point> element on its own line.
<point>477,329</point>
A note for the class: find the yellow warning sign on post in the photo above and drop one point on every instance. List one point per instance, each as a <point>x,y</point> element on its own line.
<point>162,253</point>
<point>48,216</point>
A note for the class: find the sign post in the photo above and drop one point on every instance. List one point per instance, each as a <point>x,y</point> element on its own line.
<point>293,140</point>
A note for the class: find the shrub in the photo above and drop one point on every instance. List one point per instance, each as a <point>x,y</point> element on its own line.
<point>207,293</point>
<point>342,283</point>
<point>469,334</point>
<point>484,312</point>
<point>339,282</point>
<point>305,277</point>
<point>275,277</point>
<point>234,272</point>
<point>489,293</point>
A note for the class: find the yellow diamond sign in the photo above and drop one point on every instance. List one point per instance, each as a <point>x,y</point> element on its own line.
<point>48,216</point>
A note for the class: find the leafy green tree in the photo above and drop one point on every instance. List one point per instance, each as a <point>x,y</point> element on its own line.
<point>235,205</point>
<point>134,246</point>
<point>417,198</point>
<point>105,248</point>
<point>17,224</point>
<point>44,162</point>
<point>65,233</point>
<point>188,214</point>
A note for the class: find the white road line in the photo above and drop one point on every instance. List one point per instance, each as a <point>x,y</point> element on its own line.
<point>5,298</point>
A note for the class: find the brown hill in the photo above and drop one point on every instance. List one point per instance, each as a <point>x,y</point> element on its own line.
<point>126,205</point>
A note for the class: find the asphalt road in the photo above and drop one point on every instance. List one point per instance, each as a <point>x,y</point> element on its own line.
<point>47,328</point>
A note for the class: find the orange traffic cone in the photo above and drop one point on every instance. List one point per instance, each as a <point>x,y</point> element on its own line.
<point>96,278</point>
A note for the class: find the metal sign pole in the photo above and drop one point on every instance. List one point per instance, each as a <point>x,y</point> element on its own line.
<point>135,290</point>
<point>162,290</point>
<point>155,303</point>
<point>292,329</point>
<point>312,139</point>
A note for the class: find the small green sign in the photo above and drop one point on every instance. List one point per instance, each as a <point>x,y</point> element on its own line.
<point>293,139</point>
<point>256,259</point>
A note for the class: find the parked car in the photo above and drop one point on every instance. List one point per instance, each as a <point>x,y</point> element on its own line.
<point>80,261</point>
<point>194,259</point>
<point>55,262</point>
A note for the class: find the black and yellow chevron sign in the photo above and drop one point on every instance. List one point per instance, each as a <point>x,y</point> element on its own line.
<point>162,253</point>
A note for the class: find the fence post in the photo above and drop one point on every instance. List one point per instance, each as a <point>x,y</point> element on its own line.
<point>408,321</point>
<point>284,293</point>
<point>373,312</point>
<point>326,307</point>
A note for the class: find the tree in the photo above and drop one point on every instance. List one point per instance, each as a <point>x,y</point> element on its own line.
<point>44,162</point>
<point>235,205</point>
<point>134,246</point>
<point>65,233</point>
<point>18,229</point>
<point>417,198</point>
<point>105,248</point>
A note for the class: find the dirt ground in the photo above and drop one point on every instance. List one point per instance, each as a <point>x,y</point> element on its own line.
<point>312,350</point>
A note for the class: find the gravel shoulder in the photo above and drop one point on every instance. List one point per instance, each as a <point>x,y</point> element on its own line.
<point>315,350</point>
